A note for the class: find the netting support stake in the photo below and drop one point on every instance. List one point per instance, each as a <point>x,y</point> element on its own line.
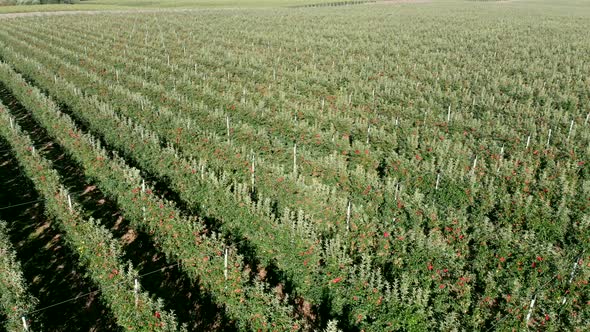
<point>225,263</point>
<point>25,325</point>
<point>528,316</point>
<point>136,292</point>
<point>295,159</point>
<point>449,115</point>
<point>437,181</point>
<point>570,131</point>
<point>348,215</point>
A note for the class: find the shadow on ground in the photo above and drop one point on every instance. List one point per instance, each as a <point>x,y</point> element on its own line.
<point>193,307</point>
<point>50,268</point>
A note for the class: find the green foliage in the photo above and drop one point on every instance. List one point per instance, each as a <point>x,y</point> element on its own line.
<point>15,300</point>
<point>433,125</point>
<point>94,244</point>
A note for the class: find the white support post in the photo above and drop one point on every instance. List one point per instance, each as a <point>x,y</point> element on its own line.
<point>136,292</point>
<point>323,102</point>
<point>25,324</point>
<point>295,159</point>
<point>570,131</point>
<point>449,115</point>
<point>549,137</point>
<point>225,263</point>
<point>348,216</point>
<point>528,316</point>
<point>117,75</point>
<point>227,125</point>
<point>571,278</point>
<point>587,118</point>
<point>501,157</point>
<point>11,123</point>
<point>368,133</point>
<point>70,203</point>
<point>528,141</point>
<point>437,181</point>
<point>473,167</point>
<point>253,177</point>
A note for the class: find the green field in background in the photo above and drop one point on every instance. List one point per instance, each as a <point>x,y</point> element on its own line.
<point>94,5</point>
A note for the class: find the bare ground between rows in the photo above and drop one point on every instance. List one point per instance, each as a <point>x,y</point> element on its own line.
<point>191,305</point>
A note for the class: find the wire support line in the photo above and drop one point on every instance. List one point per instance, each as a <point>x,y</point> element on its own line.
<point>75,194</point>
<point>36,311</point>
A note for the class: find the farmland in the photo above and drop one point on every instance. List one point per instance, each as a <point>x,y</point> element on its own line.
<point>373,167</point>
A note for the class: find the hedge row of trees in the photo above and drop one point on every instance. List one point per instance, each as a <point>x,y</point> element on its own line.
<point>35,2</point>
